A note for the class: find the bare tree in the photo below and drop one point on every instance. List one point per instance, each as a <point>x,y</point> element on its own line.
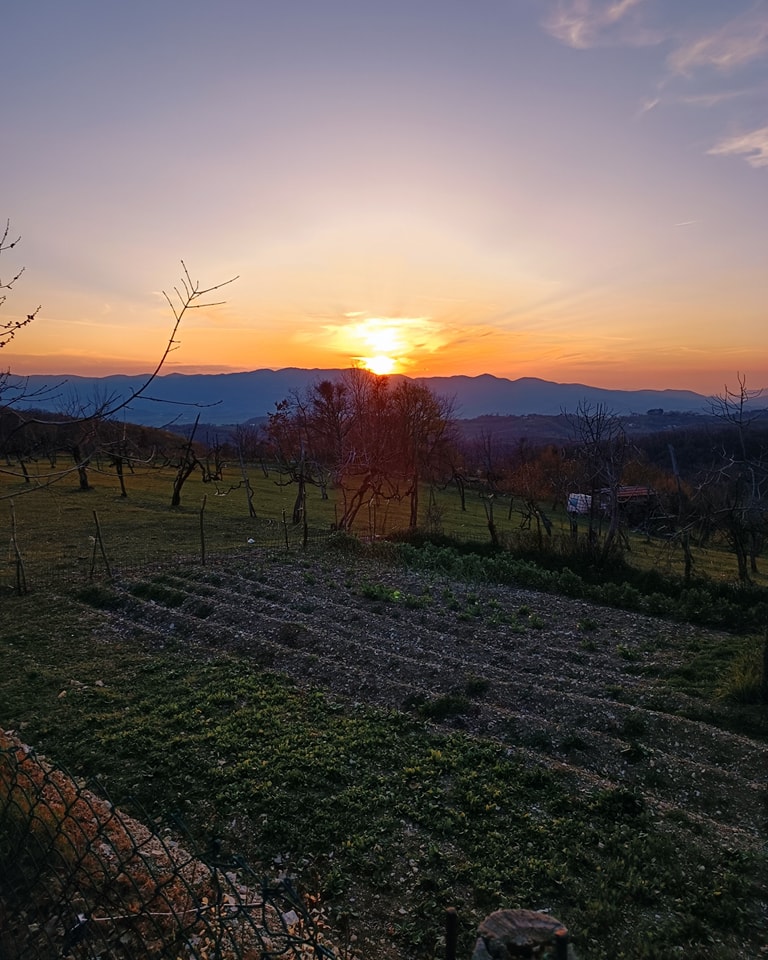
<point>188,460</point>
<point>187,295</point>
<point>375,443</point>
<point>602,450</point>
<point>295,437</point>
<point>488,453</point>
<point>735,492</point>
<point>12,389</point>
<point>424,431</point>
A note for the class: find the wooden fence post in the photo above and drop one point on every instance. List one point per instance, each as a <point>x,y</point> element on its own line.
<point>202,530</point>
<point>99,542</point>
<point>21,579</point>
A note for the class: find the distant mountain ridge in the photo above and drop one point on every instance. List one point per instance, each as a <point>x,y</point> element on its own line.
<point>227,398</point>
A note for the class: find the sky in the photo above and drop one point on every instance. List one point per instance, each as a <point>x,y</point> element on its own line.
<point>575,190</point>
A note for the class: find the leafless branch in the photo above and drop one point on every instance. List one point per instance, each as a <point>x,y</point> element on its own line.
<point>192,292</point>
<point>9,329</point>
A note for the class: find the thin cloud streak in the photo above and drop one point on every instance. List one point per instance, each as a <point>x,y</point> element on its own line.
<point>709,100</point>
<point>648,104</point>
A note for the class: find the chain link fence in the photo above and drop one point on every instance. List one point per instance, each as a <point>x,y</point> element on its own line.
<point>82,880</point>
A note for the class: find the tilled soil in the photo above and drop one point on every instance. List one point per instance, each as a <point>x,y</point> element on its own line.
<point>569,683</point>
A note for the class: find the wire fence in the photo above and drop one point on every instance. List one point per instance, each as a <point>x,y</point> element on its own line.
<point>82,880</point>
<point>56,565</point>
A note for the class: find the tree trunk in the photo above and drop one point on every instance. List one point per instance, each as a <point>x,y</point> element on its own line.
<point>413,520</point>
<point>462,492</point>
<point>685,541</point>
<point>82,468</point>
<point>247,484</point>
<point>185,469</point>
<point>187,465</point>
<point>118,461</point>
<point>300,503</point>
<point>739,540</point>
<point>488,503</point>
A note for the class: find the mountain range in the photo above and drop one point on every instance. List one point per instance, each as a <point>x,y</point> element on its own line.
<point>228,398</point>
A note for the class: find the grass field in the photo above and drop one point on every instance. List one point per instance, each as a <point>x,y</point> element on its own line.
<point>207,692</point>
<point>56,526</point>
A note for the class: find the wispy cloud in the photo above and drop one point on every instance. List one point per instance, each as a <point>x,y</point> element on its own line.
<point>752,146</point>
<point>712,99</point>
<point>737,43</point>
<point>588,23</point>
<point>705,100</point>
<point>650,103</point>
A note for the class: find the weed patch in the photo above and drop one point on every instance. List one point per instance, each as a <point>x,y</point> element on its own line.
<point>101,597</point>
<point>445,707</point>
<point>158,592</point>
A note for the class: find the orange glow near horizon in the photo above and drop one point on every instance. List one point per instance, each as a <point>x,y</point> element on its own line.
<point>384,345</point>
<point>446,340</point>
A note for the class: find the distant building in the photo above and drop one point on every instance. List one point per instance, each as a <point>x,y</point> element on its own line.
<point>636,496</point>
<point>579,503</point>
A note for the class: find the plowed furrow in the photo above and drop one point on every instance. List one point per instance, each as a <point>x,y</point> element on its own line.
<point>530,677</point>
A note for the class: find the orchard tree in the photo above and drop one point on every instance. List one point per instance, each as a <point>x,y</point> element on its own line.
<point>424,422</point>
<point>601,449</point>
<point>528,482</point>
<point>290,435</point>
<point>734,494</point>
<point>186,463</point>
<point>374,442</point>
<point>9,329</point>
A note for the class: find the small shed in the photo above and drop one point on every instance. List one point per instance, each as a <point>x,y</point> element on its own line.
<point>580,503</point>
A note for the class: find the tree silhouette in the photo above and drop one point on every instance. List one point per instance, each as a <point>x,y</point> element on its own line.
<point>77,428</point>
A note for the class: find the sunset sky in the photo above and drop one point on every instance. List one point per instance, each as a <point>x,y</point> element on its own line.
<point>573,190</point>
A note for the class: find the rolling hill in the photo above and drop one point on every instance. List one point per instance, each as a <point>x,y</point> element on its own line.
<point>237,397</point>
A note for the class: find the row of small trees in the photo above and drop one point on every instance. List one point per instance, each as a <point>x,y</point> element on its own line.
<point>374,442</point>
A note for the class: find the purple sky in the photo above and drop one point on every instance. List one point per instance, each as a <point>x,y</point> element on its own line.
<point>573,190</point>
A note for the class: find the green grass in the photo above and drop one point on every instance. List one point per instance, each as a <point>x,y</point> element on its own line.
<point>357,799</point>
<point>56,525</point>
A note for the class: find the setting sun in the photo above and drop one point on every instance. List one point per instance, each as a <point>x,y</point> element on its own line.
<point>385,345</point>
<point>385,336</point>
<point>380,365</point>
